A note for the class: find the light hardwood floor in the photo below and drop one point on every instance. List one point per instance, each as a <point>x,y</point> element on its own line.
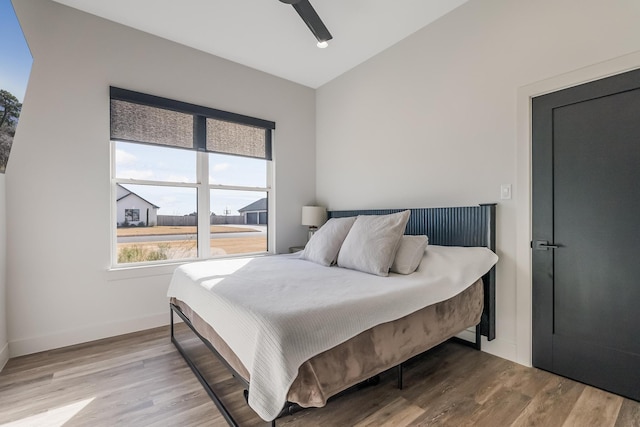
<point>141,380</point>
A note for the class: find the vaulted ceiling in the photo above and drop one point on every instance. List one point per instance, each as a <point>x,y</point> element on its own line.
<point>268,35</point>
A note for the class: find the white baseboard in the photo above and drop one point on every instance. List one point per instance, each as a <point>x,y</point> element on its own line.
<point>501,348</point>
<point>4,356</point>
<point>86,334</point>
<point>497,347</point>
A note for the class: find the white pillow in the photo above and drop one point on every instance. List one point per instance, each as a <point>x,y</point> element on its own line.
<point>409,255</point>
<point>325,243</point>
<point>372,243</point>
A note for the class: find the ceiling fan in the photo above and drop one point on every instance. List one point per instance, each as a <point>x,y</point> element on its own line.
<point>313,21</point>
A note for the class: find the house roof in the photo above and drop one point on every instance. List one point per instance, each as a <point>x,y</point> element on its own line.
<point>258,205</point>
<point>137,195</point>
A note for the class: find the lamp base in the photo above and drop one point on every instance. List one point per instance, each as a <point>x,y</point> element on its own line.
<point>312,230</point>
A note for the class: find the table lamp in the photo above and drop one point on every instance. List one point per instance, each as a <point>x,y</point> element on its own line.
<point>314,217</point>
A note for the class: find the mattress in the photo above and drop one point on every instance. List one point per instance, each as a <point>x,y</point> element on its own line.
<point>368,353</point>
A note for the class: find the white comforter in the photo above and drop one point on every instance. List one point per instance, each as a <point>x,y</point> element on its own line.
<point>276,312</point>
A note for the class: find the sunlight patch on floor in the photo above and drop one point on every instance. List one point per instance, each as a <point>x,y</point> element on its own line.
<point>53,417</point>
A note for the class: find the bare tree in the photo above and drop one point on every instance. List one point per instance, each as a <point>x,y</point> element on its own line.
<point>10,109</point>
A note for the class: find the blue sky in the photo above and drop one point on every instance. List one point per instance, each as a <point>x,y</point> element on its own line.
<point>15,59</point>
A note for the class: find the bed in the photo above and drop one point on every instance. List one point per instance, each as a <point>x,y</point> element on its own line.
<point>348,326</point>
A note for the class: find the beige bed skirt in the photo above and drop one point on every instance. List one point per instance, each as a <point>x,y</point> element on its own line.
<point>369,353</point>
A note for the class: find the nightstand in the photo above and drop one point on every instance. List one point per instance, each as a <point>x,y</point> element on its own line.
<point>293,249</point>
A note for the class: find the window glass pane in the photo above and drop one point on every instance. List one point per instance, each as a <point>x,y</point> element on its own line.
<point>237,171</point>
<point>238,222</point>
<point>154,163</point>
<point>155,223</point>
<point>141,123</point>
<point>234,138</point>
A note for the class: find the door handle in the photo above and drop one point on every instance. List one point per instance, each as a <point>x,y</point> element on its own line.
<point>543,245</point>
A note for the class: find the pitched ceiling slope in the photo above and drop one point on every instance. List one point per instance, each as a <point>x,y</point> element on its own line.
<point>268,35</point>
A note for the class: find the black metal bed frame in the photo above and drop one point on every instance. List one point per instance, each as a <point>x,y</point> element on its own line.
<point>456,226</point>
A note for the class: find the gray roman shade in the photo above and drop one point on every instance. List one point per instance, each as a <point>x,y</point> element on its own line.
<point>234,138</point>
<point>151,125</point>
<point>148,119</point>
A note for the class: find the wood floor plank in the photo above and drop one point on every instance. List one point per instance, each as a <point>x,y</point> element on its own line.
<point>629,415</point>
<point>349,409</point>
<point>594,408</point>
<point>447,372</point>
<point>501,409</point>
<point>518,379</point>
<point>552,405</point>
<point>141,380</point>
<point>397,413</point>
<point>450,396</point>
<point>451,412</point>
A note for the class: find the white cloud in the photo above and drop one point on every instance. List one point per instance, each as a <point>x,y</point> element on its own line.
<point>219,167</point>
<point>124,157</point>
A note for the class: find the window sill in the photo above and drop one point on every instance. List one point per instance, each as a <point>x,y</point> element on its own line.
<point>151,270</point>
<point>139,271</point>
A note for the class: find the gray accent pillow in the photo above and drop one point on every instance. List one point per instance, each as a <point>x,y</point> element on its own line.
<point>325,243</point>
<point>372,243</point>
<point>409,255</point>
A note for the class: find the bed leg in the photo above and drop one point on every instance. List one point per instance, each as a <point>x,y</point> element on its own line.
<point>171,320</point>
<point>478,337</point>
<point>399,368</point>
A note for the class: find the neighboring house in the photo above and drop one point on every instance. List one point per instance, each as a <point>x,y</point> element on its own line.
<point>255,213</point>
<point>133,209</point>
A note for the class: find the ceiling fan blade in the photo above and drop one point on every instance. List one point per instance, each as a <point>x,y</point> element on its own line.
<point>311,18</point>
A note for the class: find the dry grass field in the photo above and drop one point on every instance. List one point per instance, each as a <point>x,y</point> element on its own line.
<point>166,230</point>
<point>181,249</point>
<point>186,248</point>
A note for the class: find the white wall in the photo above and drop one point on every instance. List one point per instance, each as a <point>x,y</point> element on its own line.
<point>59,289</point>
<point>432,121</point>
<point>4,344</point>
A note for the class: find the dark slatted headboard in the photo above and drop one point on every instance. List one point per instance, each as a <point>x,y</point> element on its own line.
<point>456,226</point>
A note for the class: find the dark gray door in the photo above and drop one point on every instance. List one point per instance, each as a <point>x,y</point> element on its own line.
<point>586,201</point>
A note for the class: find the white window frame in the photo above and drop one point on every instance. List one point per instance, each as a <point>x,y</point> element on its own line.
<point>203,187</point>
<point>203,191</point>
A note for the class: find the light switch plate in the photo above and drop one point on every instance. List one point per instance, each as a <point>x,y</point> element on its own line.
<point>505,191</point>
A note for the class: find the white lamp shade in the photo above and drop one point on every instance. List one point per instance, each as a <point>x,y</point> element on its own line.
<point>313,216</point>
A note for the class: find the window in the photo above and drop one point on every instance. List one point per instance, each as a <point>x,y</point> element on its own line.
<point>188,182</point>
<point>131,215</point>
